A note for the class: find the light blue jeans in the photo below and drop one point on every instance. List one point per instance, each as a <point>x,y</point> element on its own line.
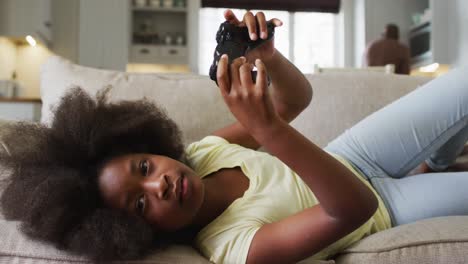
<point>431,124</point>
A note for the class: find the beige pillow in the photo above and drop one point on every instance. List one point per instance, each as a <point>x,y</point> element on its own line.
<point>437,240</point>
<point>195,104</point>
<point>192,101</point>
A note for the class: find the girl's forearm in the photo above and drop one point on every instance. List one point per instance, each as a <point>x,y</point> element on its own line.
<point>338,190</point>
<point>291,91</point>
<point>340,193</point>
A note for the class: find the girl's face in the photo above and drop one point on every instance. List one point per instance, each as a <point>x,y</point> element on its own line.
<point>165,192</point>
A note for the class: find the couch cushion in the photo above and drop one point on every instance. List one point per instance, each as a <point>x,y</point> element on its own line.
<point>436,240</point>
<point>194,102</point>
<point>17,248</point>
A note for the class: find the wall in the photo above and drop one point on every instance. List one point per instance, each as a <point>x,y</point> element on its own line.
<point>28,66</point>
<point>26,61</point>
<point>359,31</point>
<point>8,58</point>
<point>458,34</point>
<point>344,35</point>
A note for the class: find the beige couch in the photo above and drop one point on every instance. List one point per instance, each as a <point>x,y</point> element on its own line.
<point>340,100</point>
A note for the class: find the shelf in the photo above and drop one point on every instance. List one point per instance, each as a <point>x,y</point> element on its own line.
<point>158,54</point>
<point>160,9</point>
<point>152,25</point>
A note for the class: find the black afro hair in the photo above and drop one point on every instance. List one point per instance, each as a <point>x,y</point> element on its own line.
<point>53,189</point>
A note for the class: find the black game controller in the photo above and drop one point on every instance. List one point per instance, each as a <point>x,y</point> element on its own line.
<point>235,42</point>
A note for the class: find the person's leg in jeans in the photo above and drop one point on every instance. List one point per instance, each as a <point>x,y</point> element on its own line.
<point>429,124</point>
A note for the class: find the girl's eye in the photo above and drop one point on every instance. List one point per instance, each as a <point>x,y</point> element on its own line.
<point>144,167</point>
<point>140,205</point>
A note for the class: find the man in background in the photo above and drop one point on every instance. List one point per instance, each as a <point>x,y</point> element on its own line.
<point>388,50</point>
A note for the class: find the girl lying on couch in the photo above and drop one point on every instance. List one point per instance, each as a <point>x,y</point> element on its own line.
<point>113,180</point>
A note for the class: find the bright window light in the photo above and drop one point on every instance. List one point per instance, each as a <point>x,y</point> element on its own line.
<point>31,40</point>
<point>312,36</point>
<point>314,40</point>
<point>429,68</point>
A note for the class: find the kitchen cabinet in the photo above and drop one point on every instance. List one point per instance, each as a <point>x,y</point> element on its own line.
<point>159,32</point>
<point>92,33</point>
<point>20,109</point>
<point>164,32</point>
<point>99,34</point>
<point>19,18</point>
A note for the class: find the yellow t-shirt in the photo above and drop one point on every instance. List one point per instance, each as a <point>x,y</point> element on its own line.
<point>275,192</point>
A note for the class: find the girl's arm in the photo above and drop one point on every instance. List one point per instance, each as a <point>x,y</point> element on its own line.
<point>345,202</point>
<point>291,91</point>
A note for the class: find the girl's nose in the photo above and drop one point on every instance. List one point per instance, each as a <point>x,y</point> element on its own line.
<point>160,187</point>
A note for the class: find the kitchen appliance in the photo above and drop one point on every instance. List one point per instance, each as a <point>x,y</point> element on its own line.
<point>420,43</point>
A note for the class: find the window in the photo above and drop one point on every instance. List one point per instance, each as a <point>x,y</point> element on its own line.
<point>314,40</point>
<point>312,35</point>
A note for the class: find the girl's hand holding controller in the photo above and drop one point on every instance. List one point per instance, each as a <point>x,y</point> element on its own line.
<point>257,26</point>
<point>249,101</point>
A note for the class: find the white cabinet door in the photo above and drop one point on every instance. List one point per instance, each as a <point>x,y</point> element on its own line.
<point>19,18</point>
<point>65,22</point>
<point>103,34</point>
<point>92,33</point>
<point>20,111</point>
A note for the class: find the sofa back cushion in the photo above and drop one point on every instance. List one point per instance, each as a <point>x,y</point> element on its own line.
<point>194,101</point>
